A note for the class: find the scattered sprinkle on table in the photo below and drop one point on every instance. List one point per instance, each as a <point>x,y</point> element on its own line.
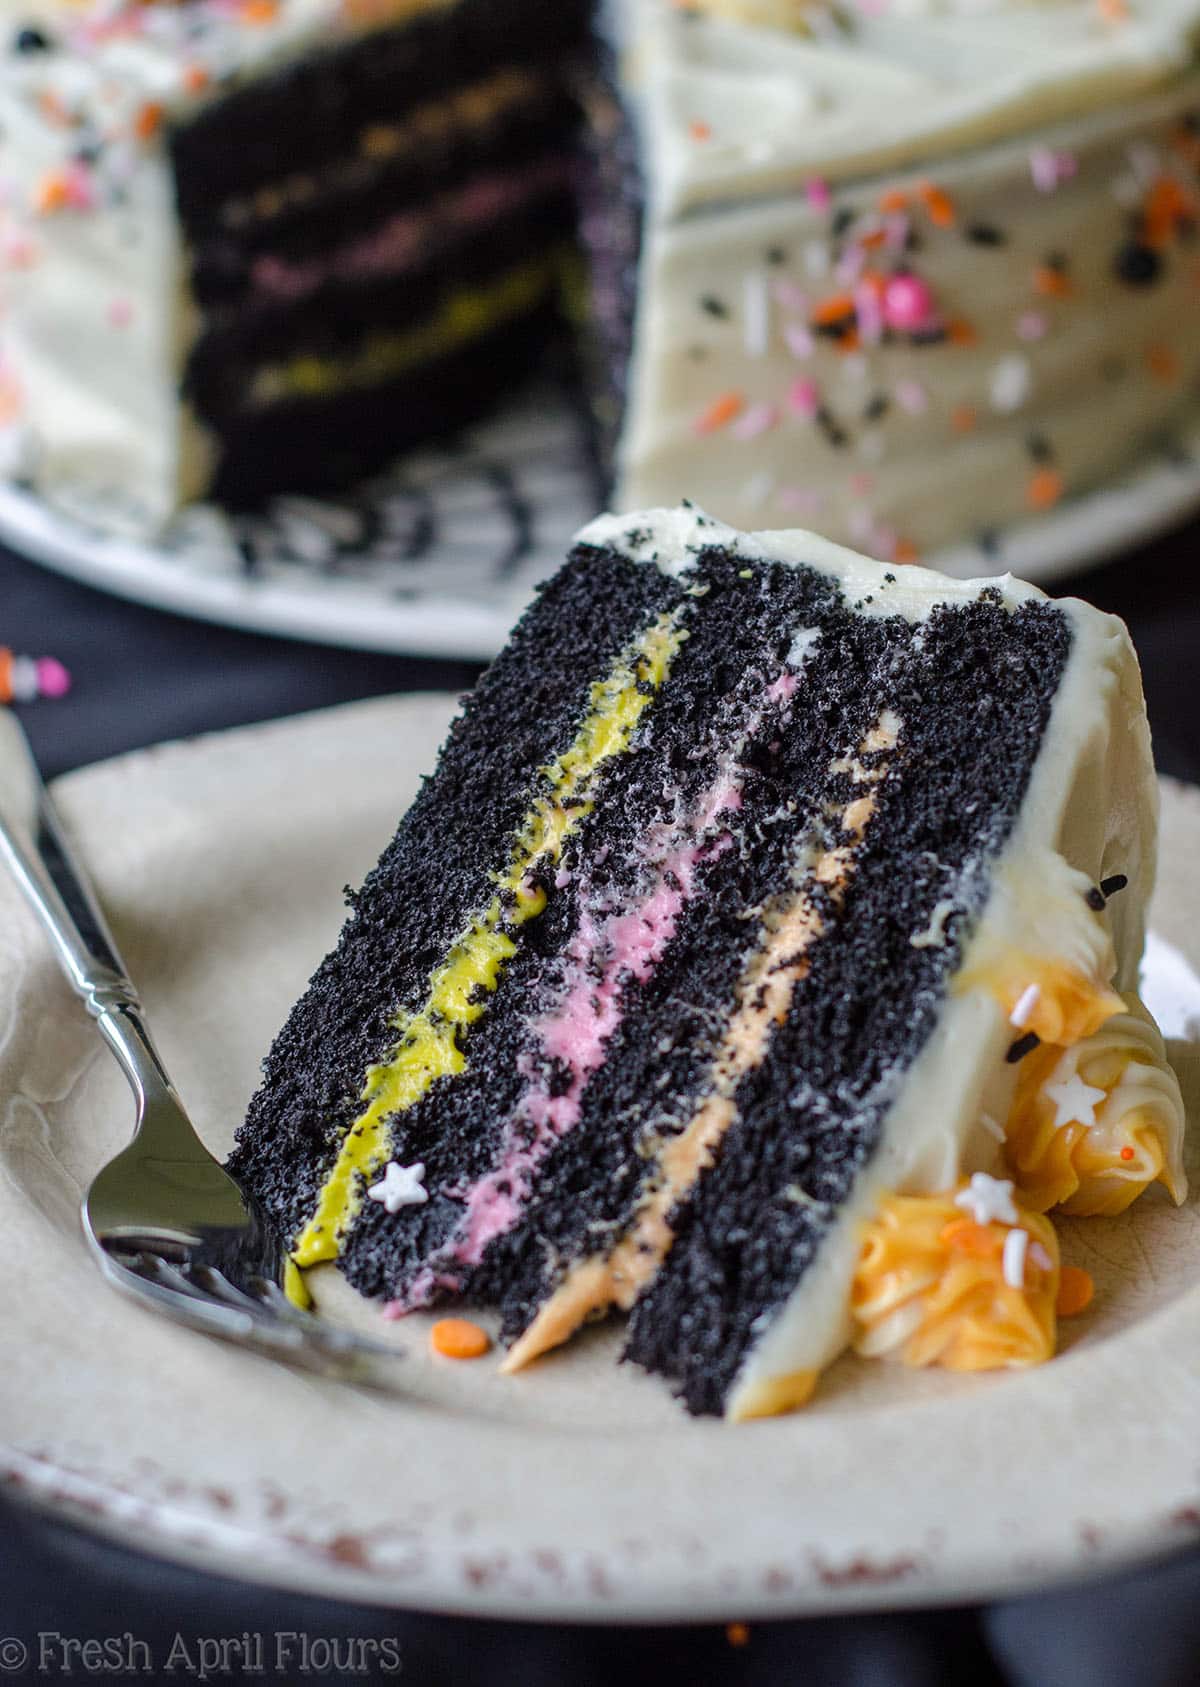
<point>459,1338</point>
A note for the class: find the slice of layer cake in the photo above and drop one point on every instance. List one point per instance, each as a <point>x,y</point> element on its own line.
<point>761,959</point>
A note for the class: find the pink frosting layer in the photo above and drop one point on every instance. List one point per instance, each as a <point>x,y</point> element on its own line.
<point>609,949</point>
<point>400,243</point>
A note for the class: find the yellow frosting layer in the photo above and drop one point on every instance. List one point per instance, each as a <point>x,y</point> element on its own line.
<point>428,1039</point>
<point>464,316</point>
<point>931,1287</point>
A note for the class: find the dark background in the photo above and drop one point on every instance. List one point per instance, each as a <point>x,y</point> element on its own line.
<point>140,677</point>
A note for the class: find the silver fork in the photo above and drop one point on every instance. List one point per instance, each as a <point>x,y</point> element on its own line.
<point>166,1221</point>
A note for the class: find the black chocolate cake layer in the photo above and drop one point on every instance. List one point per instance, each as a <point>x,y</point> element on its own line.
<point>787,727</point>
<point>315,108</point>
<point>974,699</point>
<point>434,874</point>
<point>325,443</point>
<point>339,316</point>
<point>353,198</point>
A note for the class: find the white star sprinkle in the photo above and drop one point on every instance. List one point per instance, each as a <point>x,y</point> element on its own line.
<point>401,1187</point>
<point>988,1198</point>
<point>1075,1102</point>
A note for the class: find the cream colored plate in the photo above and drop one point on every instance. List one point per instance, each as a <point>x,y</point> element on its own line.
<point>579,1488</point>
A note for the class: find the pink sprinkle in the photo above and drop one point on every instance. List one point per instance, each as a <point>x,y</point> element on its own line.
<point>53,679</point>
<point>1032,325</point>
<point>802,499</point>
<point>912,397</point>
<point>804,397</point>
<point>850,265</point>
<point>790,296</point>
<point>868,314</point>
<point>884,541</point>
<point>81,193</point>
<point>896,227</point>
<point>798,340</point>
<point>816,191</point>
<point>120,313</point>
<point>861,485</point>
<point>759,418</point>
<point>907,303</point>
<point>19,251</point>
<point>1048,168</point>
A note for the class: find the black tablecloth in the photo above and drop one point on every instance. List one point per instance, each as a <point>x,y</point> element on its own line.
<point>140,677</point>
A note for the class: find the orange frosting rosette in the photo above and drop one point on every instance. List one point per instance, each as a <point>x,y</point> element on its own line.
<point>935,1286</point>
<point>1094,1125</point>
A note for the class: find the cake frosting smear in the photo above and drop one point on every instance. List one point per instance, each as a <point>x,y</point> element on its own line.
<point>759,964</point>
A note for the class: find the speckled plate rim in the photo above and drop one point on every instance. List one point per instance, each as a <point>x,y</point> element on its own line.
<point>1082,533</point>
<point>926,1501</point>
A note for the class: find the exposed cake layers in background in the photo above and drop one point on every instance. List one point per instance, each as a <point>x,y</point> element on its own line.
<point>762,898</point>
<point>252,246</point>
<point>911,274</point>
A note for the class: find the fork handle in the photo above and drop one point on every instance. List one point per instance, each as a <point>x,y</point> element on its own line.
<point>35,847</point>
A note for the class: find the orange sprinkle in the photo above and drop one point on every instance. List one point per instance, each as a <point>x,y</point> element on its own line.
<point>721,411</point>
<point>148,121</point>
<point>1113,11</point>
<point>960,332</point>
<point>1163,363</point>
<point>1044,490</point>
<point>1166,207</point>
<point>963,418</point>
<point>458,1338</point>
<point>895,199</point>
<point>834,309</point>
<point>51,193</point>
<point>905,551</point>
<point>259,11</point>
<point>1075,1290</point>
<point>1127,1153</point>
<point>967,1237</point>
<point>938,203</point>
<point>195,78</point>
<point>1053,283</point>
<point>699,131</point>
<point>6,667</point>
<point>737,1634</point>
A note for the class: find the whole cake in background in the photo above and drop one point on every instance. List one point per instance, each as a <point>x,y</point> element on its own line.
<point>260,244</point>
<point>907,273</point>
<point>761,959</point>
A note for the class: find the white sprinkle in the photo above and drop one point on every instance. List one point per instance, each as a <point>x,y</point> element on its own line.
<point>1075,1101</point>
<point>1026,1006</point>
<point>23,679</point>
<point>1040,1257</point>
<point>1010,383</point>
<point>992,1127</point>
<point>816,259</point>
<point>912,397</point>
<point>756,314</point>
<point>1016,1244</point>
<point>402,1186</point>
<point>799,340</point>
<point>988,1198</point>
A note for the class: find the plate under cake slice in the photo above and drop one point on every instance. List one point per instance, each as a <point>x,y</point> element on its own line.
<point>761,959</point>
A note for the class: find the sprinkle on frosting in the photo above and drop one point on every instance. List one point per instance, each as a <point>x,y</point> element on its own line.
<point>402,1186</point>
<point>988,1199</point>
